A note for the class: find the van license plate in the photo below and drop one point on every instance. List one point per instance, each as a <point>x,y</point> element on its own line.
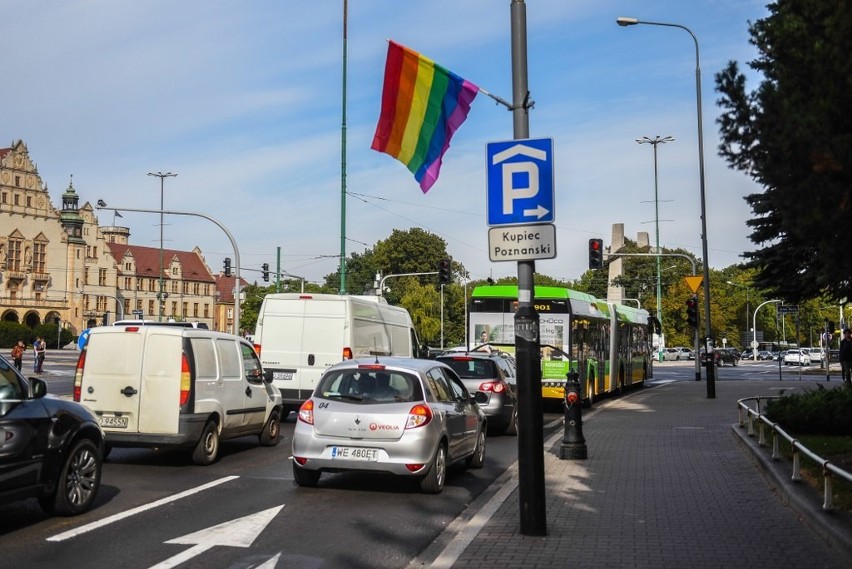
<point>355,453</point>
<point>282,375</point>
<point>116,422</point>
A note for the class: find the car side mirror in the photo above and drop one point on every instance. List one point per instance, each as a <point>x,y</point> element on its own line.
<point>39,387</point>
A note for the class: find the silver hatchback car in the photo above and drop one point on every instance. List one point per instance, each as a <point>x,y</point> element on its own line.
<point>403,416</point>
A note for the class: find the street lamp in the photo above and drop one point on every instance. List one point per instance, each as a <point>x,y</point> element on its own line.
<point>754,324</point>
<point>657,140</point>
<point>160,298</point>
<point>748,311</point>
<point>711,372</point>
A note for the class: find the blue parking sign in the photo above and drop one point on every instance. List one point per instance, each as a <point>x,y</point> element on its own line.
<point>82,339</point>
<point>520,182</point>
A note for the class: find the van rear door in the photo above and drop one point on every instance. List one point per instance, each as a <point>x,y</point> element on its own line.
<point>111,381</point>
<point>161,373</point>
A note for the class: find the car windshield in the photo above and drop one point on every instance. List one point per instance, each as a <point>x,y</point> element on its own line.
<point>370,386</point>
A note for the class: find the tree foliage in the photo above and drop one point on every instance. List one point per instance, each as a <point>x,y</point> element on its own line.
<point>793,136</point>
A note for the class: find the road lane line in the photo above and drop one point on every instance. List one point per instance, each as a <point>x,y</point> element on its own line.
<point>138,510</point>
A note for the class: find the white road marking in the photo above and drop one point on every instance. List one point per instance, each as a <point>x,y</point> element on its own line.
<point>138,510</point>
<point>240,532</point>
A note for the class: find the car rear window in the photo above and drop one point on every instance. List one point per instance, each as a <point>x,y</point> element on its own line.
<point>472,368</point>
<point>370,386</point>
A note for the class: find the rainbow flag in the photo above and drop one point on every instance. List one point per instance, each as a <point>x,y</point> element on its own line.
<point>423,104</point>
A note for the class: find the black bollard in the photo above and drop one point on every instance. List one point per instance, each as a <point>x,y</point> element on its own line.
<point>573,444</point>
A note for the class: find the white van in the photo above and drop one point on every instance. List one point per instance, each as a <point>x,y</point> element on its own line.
<point>168,386</point>
<point>299,336</point>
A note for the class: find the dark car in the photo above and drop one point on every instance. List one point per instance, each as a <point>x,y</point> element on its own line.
<point>490,377</point>
<point>50,448</point>
<point>726,356</point>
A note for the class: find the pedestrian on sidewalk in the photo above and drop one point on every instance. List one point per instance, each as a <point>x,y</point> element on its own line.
<point>40,348</point>
<point>18,354</point>
<point>846,356</point>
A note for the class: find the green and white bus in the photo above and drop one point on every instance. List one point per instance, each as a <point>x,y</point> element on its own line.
<point>608,344</point>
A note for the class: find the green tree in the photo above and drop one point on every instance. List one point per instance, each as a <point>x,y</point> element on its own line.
<point>793,136</point>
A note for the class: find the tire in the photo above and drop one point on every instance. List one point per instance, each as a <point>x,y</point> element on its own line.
<point>512,427</point>
<point>304,477</point>
<point>271,432</point>
<point>207,448</point>
<point>477,459</point>
<point>433,482</point>
<point>78,481</point>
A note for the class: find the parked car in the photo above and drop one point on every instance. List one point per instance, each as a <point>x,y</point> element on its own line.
<point>676,354</point>
<point>491,379</point>
<point>747,354</point>
<point>404,416</point>
<point>765,355</point>
<point>50,448</point>
<point>725,356</point>
<point>797,357</point>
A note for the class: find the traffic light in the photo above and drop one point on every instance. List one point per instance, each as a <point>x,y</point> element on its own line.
<point>692,311</point>
<point>595,253</point>
<point>444,272</point>
<point>227,266</point>
<point>265,268</point>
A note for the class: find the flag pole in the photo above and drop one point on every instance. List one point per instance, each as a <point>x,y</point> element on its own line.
<point>499,100</point>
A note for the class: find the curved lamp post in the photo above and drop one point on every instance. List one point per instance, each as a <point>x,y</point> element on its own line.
<point>624,22</point>
<point>754,324</point>
<point>236,326</point>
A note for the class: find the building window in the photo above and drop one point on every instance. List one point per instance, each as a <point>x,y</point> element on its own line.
<point>150,307</point>
<point>102,277</point>
<point>174,308</point>
<point>207,311</point>
<point>128,282</point>
<point>128,266</point>
<point>174,271</point>
<point>139,285</point>
<point>175,286</point>
<point>39,256</point>
<point>101,303</point>
<point>17,199</point>
<point>195,310</point>
<point>13,258</point>
<point>151,287</point>
<point>127,306</point>
<point>29,201</point>
<point>229,312</point>
<point>139,305</point>
<point>5,198</point>
<point>85,276</point>
<point>18,184</point>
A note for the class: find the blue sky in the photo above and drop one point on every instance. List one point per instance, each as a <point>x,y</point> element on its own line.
<point>244,101</point>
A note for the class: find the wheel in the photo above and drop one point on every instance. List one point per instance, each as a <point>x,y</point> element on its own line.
<point>721,363</point>
<point>304,477</point>
<point>78,482</point>
<point>268,437</point>
<point>207,448</point>
<point>477,459</point>
<point>434,480</point>
<point>512,427</point>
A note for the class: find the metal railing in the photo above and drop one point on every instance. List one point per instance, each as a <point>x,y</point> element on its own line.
<point>752,415</point>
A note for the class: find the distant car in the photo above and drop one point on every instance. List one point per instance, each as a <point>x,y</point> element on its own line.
<point>797,357</point>
<point>404,416</point>
<point>725,356</point>
<point>747,354</point>
<point>764,355</point>
<point>676,354</point>
<point>491,379</point>
<point>50,448</point>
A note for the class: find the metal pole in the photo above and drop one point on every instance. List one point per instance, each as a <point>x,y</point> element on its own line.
<point>236,325</point>
<point>160,299</point>
<point>343,162</point>
<point>657,140</point>
<point>711,372</point>
<point>754,323</point>
<point>533,519</point>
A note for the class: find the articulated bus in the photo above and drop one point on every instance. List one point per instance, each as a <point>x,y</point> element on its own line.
<point>608,344</point>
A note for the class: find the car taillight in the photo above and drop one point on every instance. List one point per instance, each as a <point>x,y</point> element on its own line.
<point>347,353</point>
<point>257,349</point>
<point>418,416</point>
<point>306,412</point>
<point>494,386</point>
<point>78,375</point>
<point>185,380</point>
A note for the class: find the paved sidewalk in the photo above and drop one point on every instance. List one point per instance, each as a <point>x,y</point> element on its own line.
<point>669,483</point>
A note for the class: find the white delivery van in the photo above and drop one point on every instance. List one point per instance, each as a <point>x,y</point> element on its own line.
<point>298,336</point>
<point>175,387</point>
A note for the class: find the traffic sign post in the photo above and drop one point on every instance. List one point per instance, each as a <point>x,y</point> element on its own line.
<point>520,182</point>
